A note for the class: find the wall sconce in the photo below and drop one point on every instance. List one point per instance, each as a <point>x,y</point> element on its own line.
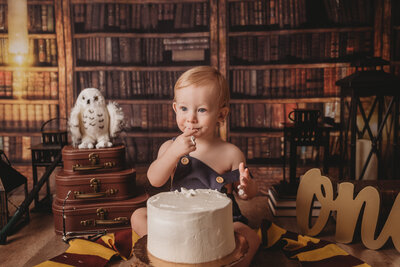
<point>18,43</point>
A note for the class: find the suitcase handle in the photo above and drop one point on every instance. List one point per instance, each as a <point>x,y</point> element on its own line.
<point>109,192</point>
<point>94,160</point>
<point>102,213</point>
<point>106,165</point>
<point>115,221</point>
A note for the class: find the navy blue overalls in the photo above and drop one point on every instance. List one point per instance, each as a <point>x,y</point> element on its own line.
<point>192,173</point>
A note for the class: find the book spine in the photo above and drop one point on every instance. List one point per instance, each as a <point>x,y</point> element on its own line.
<point>8,84</point>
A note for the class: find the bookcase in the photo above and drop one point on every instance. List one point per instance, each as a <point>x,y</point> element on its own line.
<point>286,54</point>
<point>32,94</point>
<point>394,56</point>
<point>134,51</point>
<point>276,55</point>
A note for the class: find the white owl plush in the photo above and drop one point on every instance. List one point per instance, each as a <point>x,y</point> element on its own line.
<point>92,123</point>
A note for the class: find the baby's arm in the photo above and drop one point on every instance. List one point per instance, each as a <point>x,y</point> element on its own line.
<point>247,187</point>
<point>168,156</point>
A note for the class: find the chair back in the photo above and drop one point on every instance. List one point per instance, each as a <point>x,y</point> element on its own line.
<point>53,136</point>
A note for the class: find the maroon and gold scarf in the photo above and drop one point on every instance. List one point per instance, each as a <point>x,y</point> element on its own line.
<point>309,251</point>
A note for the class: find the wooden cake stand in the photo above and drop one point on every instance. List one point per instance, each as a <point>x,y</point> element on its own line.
<point>141,253</point>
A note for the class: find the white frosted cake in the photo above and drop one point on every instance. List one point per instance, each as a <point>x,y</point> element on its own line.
<point>191,226</point>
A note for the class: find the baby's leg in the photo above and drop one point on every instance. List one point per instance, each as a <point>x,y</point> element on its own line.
<point>252,239</point>
<point>139,221</point>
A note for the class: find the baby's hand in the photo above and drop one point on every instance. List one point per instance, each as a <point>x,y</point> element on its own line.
<point>185,143</point>
<point>247,187</point>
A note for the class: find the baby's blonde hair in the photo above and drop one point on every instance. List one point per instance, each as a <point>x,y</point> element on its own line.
<point>205,76</point>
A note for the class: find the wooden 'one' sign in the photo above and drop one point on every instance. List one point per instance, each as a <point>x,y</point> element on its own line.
<point>348,207</point>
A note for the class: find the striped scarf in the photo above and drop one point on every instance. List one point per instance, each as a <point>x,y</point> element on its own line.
<point>88,253</point>
<point>309,251</point>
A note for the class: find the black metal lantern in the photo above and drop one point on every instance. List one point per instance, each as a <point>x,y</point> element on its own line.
<point>376,121</point>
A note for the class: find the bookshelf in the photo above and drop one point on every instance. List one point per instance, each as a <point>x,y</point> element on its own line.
<point>134,51</point>
<point>395,40</point>
<point>276,55</point>
<point>31,94</point>
<point>286,54</point>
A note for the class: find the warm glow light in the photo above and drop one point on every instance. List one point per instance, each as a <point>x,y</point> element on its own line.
<point>18,43</point>
<point>19,59</point>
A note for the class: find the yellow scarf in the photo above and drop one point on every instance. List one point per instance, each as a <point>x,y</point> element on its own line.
<point>88,253</point>
<point>309,251</point>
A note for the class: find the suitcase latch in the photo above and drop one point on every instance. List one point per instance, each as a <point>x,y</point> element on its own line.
<point>93,158</point>
<point>94,164</point>
<point>102,214</point>
<point>95,184</point>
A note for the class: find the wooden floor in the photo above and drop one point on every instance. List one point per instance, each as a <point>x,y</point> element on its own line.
<point>37,241</point>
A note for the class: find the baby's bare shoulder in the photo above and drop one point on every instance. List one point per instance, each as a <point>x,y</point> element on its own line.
<point>229,147</point>
<point>233,152</point>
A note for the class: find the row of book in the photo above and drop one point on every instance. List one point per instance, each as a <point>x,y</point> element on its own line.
<point>274,115</point>
<point>3,18</point>
<point>6,84</point>
<point>259,115</point>
<point>130,84</point>
<point>142,149</point>
<point>187,49</point>
<point>300,47</point>
<point>186,43</point>
<point>314,155</point>
<point>28,85</point>
<point>281,13</point>
<point>42,52</point>
<point>135,17</point>
<point>17,148</point>
<point>26,117</point>
<point>396,45</point>
<point>161,117</point>
<point>259,147</point>
<point>149,117</point>
<point>395,10</point>
<point>124,50</point>
<point>350,12</point>
<point>285,205</point>
<point>138,150</point>
<point>270,83</point>
<point>287,83</point>
<point>40,18</point>
<point>396,70</point>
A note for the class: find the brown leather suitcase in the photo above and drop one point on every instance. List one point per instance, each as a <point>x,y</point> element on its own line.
<point>110,216</point>
<point>86,188</point>
<point>109,159</point>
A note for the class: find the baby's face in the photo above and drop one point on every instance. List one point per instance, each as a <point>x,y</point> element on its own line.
<point>197,108</point>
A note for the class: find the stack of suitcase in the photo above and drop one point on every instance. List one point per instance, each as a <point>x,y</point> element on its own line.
<point>95,190</point>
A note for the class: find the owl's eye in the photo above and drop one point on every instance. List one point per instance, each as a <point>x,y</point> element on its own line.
<point>83,98</point>
<point>96,98</point>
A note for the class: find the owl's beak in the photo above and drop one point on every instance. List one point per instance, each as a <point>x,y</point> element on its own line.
<point>88,101</point>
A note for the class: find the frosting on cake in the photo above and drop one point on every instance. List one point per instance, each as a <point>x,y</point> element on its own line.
<point>191,226</point>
